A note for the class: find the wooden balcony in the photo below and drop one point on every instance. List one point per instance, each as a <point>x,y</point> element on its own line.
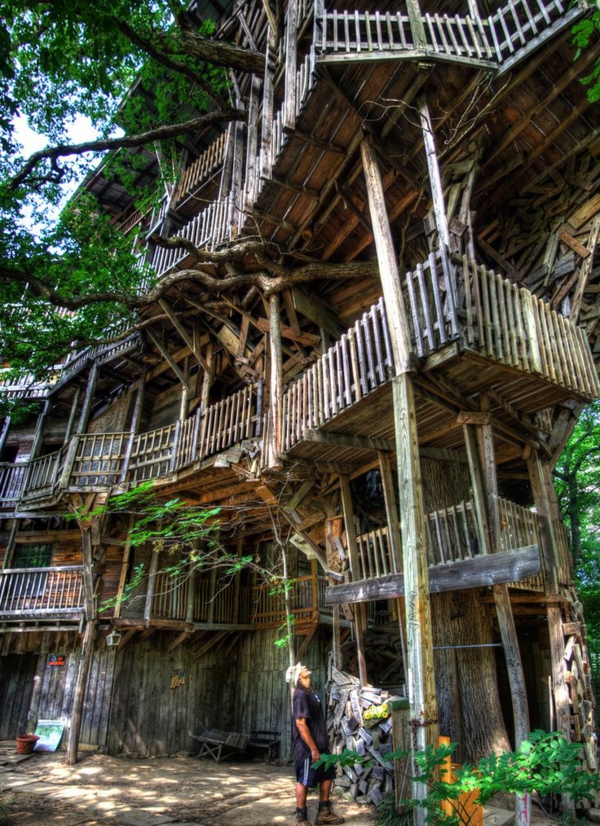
<point>453,544</point>
<point>42,593</point>
<point>485,333</point>
<point>97,461</point>
<point>307,602</point>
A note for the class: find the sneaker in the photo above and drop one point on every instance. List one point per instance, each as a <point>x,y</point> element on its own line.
<point>327,815</point>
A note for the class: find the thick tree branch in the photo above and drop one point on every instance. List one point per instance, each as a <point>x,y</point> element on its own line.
<point>269,282</point>
<point>170,62</point>
<point>128,141</point>
<point>219,53</point>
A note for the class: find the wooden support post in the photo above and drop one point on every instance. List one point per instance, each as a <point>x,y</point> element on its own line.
<point>151,584</point>
<point>276,382</point>
<point>355,573</point>
<point>267,107</point>
<point>485,491</point>
<point>395,540</point>
<point>88,578</point>
<point>386,258</point>
<point>252,171</point>
<point>435,179</point>
<point>124,568</point>
<point>559,684</point>
<point>72,415</point>
<point>291,50</point>
<point>135,424</point>
<point>88,400</point>
<point>85,659</point>
<point>191,593</point>
<point>416,25</point>
<point>539,481</point>
<point>419,664</point>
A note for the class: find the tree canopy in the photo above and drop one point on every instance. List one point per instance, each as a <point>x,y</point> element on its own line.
<point>144,75</point>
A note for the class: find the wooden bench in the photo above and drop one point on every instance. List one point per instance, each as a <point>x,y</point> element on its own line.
<point>221,744</point>
<point>265,741</point>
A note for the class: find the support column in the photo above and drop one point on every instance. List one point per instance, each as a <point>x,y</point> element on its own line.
<point>276,381</point>
<point>355,571</point>
<point>85,659</point>
<point>394,538</point>
<point>540,480</point>
<point>435,178</point>
<point>291,50</point>
<point>420,674</point>
<point>482,466</point>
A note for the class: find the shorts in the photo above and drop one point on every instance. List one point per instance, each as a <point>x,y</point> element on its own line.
<point>307,776</point>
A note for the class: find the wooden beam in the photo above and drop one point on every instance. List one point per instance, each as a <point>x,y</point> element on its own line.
<point>420,668</point>
<point>478,572</point>
<point>352,548</point>
<point>168,357</point>
<point>328,437</point>
<point>85,658</point>
<point>184,333</point>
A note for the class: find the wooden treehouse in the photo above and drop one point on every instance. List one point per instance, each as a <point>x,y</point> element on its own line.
<point>378,324</point>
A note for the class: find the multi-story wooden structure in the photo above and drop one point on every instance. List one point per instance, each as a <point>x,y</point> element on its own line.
<point>373,341</point>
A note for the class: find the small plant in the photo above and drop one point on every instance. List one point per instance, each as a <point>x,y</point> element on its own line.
<point>543,763</point>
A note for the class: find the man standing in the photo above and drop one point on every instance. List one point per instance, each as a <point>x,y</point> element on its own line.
<point>310,741</point>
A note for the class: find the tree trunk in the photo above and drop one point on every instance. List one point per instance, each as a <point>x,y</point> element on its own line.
<point>466,683</point>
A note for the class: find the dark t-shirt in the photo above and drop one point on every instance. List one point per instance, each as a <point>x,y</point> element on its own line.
<point>308,707</point>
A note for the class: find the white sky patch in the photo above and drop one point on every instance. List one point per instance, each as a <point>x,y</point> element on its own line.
<point>79,131</point>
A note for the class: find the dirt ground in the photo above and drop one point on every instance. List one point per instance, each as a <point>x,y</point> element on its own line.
<point>131,792</point>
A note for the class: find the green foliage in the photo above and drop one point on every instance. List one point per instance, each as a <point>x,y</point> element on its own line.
<point>577,481</point>
<point>585,34</point>
<point>543,763</point>
<point>60,61</point>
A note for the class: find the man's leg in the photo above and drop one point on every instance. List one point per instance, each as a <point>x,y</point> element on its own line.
<point>326,814</point>
<point>324,791</point>
<point>301,795</point>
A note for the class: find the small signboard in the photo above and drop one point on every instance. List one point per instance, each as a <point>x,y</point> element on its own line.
<point>50,733</point>
<point>56,659</point>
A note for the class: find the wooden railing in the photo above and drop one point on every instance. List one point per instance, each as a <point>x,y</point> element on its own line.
<point>356,365</point>
<point>102,460</point>
<point>451,534</point>
<point>98,459</point>
<point>41,474</point>
<point>12,477</point>
<point>219,222</point>
<point>375,554</point>
<point>268,607</point>
<point>41,591</point>
<point>496,41</point>
<point>199,171</point>
<point>512,326</point>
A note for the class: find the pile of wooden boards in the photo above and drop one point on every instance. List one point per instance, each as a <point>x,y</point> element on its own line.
<point>350,728</point>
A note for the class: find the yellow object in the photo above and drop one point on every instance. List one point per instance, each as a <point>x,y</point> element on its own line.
<point>468,812</point>
<point>377,712</point>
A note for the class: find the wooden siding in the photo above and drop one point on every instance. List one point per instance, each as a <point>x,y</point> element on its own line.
<point>148,717</point>
<point>263,697</point>
<point>16,683</point>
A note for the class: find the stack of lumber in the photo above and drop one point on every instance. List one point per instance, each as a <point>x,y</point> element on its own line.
<point>359,719</point>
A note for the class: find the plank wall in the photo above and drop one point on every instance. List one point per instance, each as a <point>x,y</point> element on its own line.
<point>16,683</point>
<point>263,696</point>
<point>148,717</point>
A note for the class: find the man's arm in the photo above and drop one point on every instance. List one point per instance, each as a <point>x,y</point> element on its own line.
<point>304,731</point>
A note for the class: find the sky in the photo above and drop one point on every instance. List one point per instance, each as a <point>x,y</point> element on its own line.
<point>80,130</point>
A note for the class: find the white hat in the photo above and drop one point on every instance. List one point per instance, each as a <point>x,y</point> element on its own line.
<point>293,673</point>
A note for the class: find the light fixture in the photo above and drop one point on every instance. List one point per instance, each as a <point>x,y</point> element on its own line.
<point>114,638</point>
